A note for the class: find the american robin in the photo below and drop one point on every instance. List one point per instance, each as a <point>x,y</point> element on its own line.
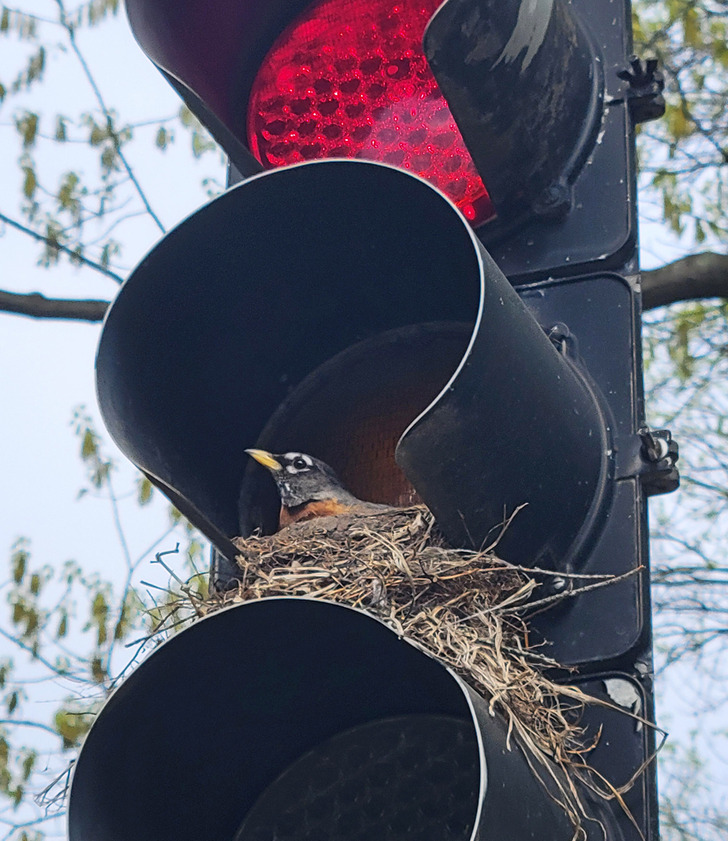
<point>309,488</point>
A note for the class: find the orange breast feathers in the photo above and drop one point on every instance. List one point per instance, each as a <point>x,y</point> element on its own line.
<point>310,510</point>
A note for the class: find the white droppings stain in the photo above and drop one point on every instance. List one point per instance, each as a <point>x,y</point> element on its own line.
<point>530,30</point>
<point>625,695</point>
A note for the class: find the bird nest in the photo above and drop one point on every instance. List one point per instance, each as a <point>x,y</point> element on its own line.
<point>467,608</point>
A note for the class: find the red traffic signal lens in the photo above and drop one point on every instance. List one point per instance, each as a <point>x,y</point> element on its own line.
<point>349,79</point>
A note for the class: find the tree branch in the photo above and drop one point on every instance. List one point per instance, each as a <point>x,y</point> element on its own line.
<point>36,305</point>
<point>35,724</point>
<point>697,276</point>
<point>59,247</point>
<point>106,112</point>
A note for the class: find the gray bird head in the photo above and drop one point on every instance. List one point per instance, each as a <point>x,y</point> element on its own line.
<point>301,478</point>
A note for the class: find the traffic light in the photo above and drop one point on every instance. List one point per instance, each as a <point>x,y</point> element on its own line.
<point>342,305</point>
<point>515,109</point>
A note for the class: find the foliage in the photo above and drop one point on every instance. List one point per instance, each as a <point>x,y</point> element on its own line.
<point>82,212</point>
<point>686,368</point>
<point>72,630</point>
<point>685,353</point>
<point>684,157</point>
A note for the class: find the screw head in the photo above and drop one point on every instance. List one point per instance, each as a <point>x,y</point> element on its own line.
<point>555,201</point>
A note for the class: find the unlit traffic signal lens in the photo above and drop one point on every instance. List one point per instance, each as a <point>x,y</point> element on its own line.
<point>350,80</point>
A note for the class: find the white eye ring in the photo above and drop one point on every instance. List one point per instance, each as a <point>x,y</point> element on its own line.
<point>297,462</point>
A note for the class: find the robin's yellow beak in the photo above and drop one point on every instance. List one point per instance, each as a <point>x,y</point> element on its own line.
<point>266,459</point>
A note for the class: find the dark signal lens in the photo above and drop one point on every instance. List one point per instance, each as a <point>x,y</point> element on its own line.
<point>349,79</point>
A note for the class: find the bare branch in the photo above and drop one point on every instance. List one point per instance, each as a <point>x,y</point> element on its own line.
<point>36,305</point>
<point>106,112</point>
<point>697,276</point>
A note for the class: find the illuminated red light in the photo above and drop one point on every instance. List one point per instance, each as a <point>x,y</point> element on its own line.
<point>348,79</point>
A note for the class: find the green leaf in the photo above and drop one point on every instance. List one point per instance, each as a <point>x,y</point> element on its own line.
<point>144,490</point>
<point>201,582</point>
<point>108,158</point>
<point>32,618</point>
<point>61,136</point>
<point>691,28</point>
<point>187,118</point>
<point>98,673</point>
<point>194,550</point>
<point>110,249</point>
<point>18,613</point>
<point>98,10</point>
<point>35,67</point>
<point>16,795</point>
<point>99,615</point>
<point>71,726</point>
<point>99,607</point>
<point>68,188</point>
<point>678,123</point>
<point>62,625</point>
<point>19,563</point>
<point>89,445</point>
<point>28,764</point>
<point>101,474</point>
<point>30,182</point>
<point>27,126</point>
<point>637,31</point>
<point>35,583</point>
<point>97,135</point>
<point>69,195</point>
<point>201,144</point>
<point>162,138</point>
<point>12,702</point>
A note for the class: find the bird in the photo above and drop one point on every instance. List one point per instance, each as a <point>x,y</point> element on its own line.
<point>309,488</point>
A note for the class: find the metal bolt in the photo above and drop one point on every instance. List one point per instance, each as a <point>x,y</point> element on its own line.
<point>560,336</point>
<point>554,201</point>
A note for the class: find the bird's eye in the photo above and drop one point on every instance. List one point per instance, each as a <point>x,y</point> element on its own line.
<point>299,463</point>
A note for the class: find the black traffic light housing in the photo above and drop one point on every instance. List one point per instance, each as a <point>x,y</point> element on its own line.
<point>346,309</point>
